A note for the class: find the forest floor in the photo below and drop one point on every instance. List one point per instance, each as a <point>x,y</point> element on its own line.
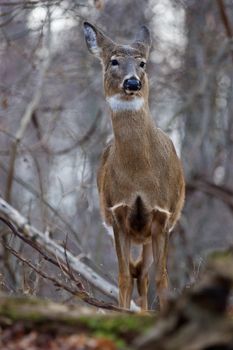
<point>200,319</point>
<point>30,323</point>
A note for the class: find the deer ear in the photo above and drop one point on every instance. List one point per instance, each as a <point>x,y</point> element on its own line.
<point>90,33</point>
<point>143,36</point>
<point>95,39</point>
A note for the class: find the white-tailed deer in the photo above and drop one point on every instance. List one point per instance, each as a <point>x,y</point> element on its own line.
<point>140,179</point>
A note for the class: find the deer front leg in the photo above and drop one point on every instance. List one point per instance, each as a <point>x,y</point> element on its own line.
<point>125,279</point>
<point>160,253</point>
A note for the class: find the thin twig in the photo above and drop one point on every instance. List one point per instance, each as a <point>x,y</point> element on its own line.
<point>65,268</point>
<point>80,293</point>
<point>69,271</point>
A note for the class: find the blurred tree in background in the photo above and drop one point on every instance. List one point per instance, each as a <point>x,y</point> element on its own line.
<point>54,124</point>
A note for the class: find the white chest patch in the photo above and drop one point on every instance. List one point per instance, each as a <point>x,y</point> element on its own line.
<point>117,104</point>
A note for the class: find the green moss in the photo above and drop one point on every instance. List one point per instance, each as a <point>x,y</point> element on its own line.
<point>119,327</point>
<point>117,324</point>
<point>17,308</point>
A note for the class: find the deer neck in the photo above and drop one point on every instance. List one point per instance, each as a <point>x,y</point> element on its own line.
<point>132,130</point>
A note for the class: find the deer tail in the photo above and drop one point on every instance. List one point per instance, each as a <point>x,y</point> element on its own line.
<point>138,215</point>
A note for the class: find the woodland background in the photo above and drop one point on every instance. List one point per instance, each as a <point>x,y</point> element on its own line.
<point>54,124</point>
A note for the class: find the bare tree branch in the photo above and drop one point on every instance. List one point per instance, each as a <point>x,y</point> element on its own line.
<point>81,294</point>
<point>222,193</point>
<point>33,3</point>
<point>46,243</point>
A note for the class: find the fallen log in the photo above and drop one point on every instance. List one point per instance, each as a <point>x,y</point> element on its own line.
<point>26,317</point>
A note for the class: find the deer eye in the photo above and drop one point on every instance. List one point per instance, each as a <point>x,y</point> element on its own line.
<point>142,64</point>
<point>114,62</point>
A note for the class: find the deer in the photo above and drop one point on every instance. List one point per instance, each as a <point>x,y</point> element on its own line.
<point>140,179</point>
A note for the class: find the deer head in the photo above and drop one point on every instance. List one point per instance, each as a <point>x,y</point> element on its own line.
<point>125,78</point>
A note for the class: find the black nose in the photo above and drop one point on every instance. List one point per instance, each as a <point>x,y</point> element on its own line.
<point>132,84</point>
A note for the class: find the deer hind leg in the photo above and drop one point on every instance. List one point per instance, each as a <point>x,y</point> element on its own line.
<point>142,275</point>
<point>125,279</point>
<point>160,237</point>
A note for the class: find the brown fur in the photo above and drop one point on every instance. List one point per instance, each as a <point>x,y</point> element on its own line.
<point>140,179</point>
